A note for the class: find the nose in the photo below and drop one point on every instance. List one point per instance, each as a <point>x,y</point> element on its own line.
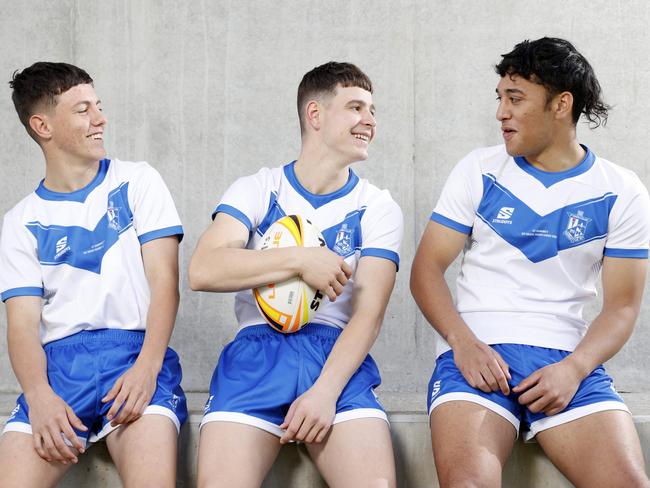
<point>98,118</point>
<point>503,113</point>
<point>369,119</point>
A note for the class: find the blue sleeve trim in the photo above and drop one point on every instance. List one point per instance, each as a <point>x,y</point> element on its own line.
<point>452,224</point>
<point>626,253</point>
<point>176,230</point>
<point>381,253</point>
<point>25,291</point>
<point>233,212</point>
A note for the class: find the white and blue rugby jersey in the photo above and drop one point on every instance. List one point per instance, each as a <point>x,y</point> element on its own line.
<point>81,251</point>
<point>536,242</point>
<point>356,220</point>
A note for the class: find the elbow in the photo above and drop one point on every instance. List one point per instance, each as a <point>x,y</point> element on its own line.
<point>197,278</point>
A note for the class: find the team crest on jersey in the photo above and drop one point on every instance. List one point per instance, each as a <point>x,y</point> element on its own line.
<point>343,243</point>
<point>577,226</point>
<point>113,214</point>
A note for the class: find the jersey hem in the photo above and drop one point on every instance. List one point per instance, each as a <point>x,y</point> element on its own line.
<point>233,212</point>
<point>452,224</point>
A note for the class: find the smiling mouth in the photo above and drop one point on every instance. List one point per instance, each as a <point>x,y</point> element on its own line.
<point>362,137</point>
<point>96,137</point>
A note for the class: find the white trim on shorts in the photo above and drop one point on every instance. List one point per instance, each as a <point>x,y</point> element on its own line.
<point>25,428</point>
<point>570,415</point>
<point>484,402</point>
<point>150,410</point>
<point>242,418</point>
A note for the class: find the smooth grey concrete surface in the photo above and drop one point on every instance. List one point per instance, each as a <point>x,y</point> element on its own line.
<point>205,91</point>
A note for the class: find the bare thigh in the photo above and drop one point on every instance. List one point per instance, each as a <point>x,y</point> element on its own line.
<point>470,444</point>
<point>22,467</point>
<point>599,450</point>
<point>144,452</point>
<point>233,455</point>
<point>357,454</point>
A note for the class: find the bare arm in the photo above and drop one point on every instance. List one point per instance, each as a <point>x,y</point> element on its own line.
<point>133,390</point>
<point>221,263</point>
<point>481,366</point>
<point>310,415</point>
<point>551,388</point>
<point>49,415</point>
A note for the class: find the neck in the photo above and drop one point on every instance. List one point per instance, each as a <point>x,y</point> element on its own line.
<point>563,154</point>
<point>320,172</point>
<point>66,175</point>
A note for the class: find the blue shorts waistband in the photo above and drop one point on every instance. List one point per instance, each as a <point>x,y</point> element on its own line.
<point>265,330</point>
<point>101,335</point>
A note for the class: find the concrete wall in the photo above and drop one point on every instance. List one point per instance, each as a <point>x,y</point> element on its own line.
<point>204,90</point>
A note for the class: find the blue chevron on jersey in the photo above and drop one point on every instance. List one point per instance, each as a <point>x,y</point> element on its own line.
<point>541,237</point>
<point>80,247</point>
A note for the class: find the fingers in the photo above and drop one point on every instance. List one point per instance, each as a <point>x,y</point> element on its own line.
<point>292,429</point>
<point>345,267</point>
<point>113,391</point>
<point>527,383</point>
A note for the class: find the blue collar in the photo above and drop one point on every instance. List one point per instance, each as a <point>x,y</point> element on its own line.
<point>548,178</point>
<point>77,195</point>
<point>317,201</point>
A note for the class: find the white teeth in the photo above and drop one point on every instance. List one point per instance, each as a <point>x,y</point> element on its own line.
<point>361,137</point>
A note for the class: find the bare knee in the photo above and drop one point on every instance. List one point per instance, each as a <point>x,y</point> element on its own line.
<point>464,478</point>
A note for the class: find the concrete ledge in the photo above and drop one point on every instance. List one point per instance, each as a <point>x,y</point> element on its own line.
<point>527,467</point>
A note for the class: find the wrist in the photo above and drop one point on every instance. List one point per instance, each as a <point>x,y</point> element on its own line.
<point>579,364</point>
<point>327,389</point>
<point>459,338</point>
<point>36,390</point>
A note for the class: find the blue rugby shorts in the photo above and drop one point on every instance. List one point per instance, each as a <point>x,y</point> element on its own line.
<point>596,393</point>
<point>83,367</point>
<point>262,371</point>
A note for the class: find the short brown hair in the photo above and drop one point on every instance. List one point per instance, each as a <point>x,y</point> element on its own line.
<point>40,84</point>
<point>323,80</point>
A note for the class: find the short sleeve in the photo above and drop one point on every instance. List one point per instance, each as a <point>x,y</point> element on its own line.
<point>628,235</point>
<point>460,197</point>
<point>154,212</point>
<point>382,227</point>
<point>244,200</point>
<point>20,270</point>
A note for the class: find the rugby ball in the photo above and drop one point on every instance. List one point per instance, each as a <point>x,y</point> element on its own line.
<point>290,305</point>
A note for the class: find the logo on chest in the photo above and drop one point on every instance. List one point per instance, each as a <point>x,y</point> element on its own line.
<point>576,228</point>
<point>343,243</point>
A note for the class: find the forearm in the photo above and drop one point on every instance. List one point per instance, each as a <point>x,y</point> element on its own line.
<point>605,337</point>
<point>349,351</point>
<point>229,269</point>
<point>160,321</point>
<point>27,358</point>
<point>434,299</point>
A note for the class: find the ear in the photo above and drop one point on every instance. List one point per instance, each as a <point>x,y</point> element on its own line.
<point>40,127</point>
<point>313,114</point>
<point>563,105</point>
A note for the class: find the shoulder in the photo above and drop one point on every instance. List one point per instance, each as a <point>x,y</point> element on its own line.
<point>24,211</point>
<point>618,179</point>
<point>485,159</point>
<point>377,200</point>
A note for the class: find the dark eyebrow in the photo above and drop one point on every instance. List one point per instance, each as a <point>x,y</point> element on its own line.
<point>511,91</point>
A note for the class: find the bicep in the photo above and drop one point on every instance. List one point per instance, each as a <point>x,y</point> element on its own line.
<point>23,311</point>
<point>373,283</point>
<point>160,256</point>
<point>439,246</point>
<point>623,281</point>
<point>225,232</point>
